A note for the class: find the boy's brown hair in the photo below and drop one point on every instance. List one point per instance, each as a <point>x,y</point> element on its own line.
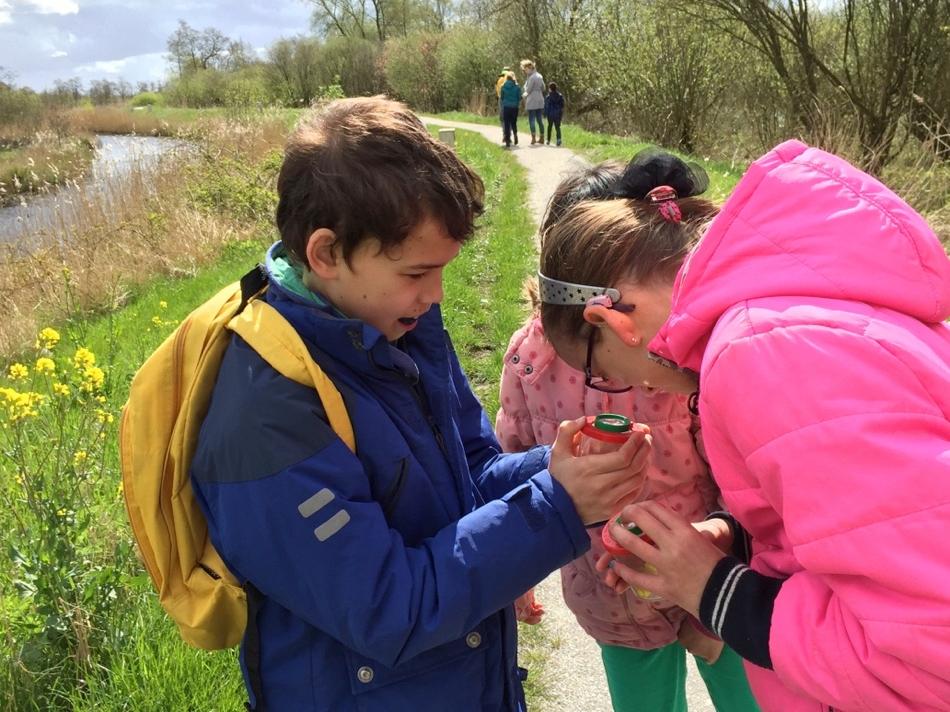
<point>604,242</point>
<point>368,168</point>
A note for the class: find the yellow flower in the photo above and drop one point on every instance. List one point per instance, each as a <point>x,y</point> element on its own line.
<point>61,512</point>
<point>163,304</point>
<point>61,389</point>
<point>92,379</point>
<point>44,365</point>
<point>18,479</point>
<point>156,321</point>
<point>47,339</point>
<point>83,358</point>
<point>20,406</point>
<point>18,372</point>
<point>79,457</point>
<point>104,416</point>
<point>100,398</point>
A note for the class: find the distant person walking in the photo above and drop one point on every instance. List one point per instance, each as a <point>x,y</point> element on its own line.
<point>554,110</point>
<point>510,97</point>
<point>533,98</point>
<point>499,83</point>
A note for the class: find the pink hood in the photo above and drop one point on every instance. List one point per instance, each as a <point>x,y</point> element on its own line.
<point>803,222</point>
<point>812,310</point>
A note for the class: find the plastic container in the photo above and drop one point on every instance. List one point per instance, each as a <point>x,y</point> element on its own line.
<point>621,554</point>
<point>608,432</point>
<point>604,433</point>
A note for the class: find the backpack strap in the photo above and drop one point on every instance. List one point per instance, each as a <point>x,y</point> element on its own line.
<point>278,343</point>
<point>252,284</point>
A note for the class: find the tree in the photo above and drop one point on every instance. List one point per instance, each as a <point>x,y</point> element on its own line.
<point>873,52</point>
<point>190,50</point>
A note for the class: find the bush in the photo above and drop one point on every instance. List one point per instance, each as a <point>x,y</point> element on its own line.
<point>468,58</point>
<point>148,98</point>
<point>413,72</point>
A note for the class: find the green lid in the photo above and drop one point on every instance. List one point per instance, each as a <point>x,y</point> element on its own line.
<point>629,526</point>
<point>612,423</point>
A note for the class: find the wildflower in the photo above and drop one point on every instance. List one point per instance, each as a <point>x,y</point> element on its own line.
<point>18,372</point>
<point>61,512</point>
<point>44,365</point>
<point>19,479</point>
<point>104,416</point>
<point>163,304</point>
<point>67,273</point>
<point>47,339</point>
<point>20,406</point>
<point>61,389</point>
<point>92,379</point>
<point>156,320</point>
<point>79,457</point>
<point>83,358</point>
<point>100,398</point>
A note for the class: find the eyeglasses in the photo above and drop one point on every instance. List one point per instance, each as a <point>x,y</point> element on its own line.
<point>596,382</point>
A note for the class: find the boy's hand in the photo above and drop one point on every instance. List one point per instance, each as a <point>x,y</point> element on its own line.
<point>717,531</point>
<point>599,485</point>
<point>683,557</point>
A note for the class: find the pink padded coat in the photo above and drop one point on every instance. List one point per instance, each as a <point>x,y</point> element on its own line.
<point>538,391</point>
<point>813,310</point>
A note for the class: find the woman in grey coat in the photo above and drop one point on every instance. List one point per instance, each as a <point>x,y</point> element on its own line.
<point>533,98</point>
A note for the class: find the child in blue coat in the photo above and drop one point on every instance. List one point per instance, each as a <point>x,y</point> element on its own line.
<point>381,580</point>
<point>554,111</point>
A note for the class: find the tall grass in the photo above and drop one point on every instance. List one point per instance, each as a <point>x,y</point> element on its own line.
<point>42,162</point>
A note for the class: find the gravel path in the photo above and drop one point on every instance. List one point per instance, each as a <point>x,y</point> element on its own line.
<point>574,676</point>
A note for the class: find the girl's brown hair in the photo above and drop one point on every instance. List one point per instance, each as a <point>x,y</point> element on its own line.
<point>604,242</point>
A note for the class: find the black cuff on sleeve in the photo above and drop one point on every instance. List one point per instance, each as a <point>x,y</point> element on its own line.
<point>737,606</point>
<point>741,542</point>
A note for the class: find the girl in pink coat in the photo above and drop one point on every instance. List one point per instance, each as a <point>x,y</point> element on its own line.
<point>810,318</point>
<point>644,663</point>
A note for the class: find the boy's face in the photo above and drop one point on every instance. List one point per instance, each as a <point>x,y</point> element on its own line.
<point>390,290</point>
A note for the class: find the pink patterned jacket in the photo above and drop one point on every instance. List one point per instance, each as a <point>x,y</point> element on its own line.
<point>538,391</point>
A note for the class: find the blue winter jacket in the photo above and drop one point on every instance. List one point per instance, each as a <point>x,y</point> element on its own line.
<point>510,94</point>
<point>554,105</point>
<point>380,581</point>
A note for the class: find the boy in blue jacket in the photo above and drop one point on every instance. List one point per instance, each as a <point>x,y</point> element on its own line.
<point>382,580</point>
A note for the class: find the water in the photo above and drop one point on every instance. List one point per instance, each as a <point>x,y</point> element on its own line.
<point>41,218</point>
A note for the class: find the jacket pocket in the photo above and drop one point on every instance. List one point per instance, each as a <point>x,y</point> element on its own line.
<point>449,668</point>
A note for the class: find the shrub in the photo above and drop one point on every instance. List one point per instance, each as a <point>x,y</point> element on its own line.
<point>413,72</point>
<point>148,98</point>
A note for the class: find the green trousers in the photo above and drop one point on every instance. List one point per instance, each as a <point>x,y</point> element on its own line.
<point>655,680</point>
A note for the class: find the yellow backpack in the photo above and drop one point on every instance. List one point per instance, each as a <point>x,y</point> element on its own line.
<point>158,433</point>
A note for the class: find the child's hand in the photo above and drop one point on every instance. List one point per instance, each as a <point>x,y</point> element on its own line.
<point>717,531</point>
<point>702,645</point>
<point>599,485</point>
<point>527,610</point>
<point>683,557</point>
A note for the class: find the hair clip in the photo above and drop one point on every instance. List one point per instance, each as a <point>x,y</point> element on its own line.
<point>601,300</point>
<point>664,198</point>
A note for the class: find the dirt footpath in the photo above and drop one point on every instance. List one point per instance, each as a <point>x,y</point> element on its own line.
<point>574,677</point>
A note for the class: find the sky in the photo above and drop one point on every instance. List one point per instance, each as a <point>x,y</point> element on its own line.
<point>45,40</point>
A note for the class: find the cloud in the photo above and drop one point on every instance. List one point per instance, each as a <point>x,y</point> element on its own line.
<point>49,7</point>
<point>59,53</point>
<point>148,67</point>
<point>6,15</point>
